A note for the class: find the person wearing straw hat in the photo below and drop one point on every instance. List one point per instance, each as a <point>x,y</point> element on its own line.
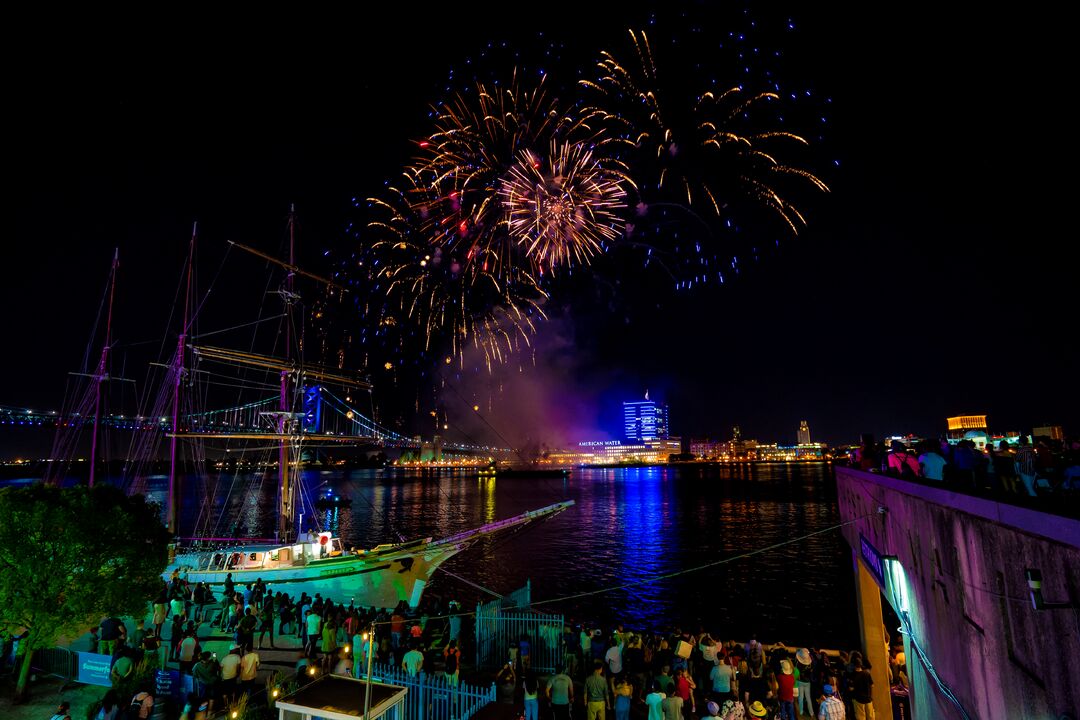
<point>785,690</point>
<point>804,702</point>
<point>757,710</point>
<point>831,707</point>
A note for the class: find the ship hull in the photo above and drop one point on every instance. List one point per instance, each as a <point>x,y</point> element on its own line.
<point>382,581</point>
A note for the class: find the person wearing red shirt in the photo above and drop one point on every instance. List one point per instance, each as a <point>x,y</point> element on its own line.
<point>785,690</point>
<point>684,688</point>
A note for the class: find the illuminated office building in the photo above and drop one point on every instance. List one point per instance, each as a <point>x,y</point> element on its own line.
<point>645,420</point>
<point>804,432</point>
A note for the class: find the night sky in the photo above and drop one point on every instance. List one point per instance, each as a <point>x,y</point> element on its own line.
<point>937,278</point>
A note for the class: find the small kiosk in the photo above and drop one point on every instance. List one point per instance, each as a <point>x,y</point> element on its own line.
<point>334,697</point>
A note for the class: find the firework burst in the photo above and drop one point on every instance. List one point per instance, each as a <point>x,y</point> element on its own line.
<point>508,187</point>
<point>564,210</point>
<point>701,150</point>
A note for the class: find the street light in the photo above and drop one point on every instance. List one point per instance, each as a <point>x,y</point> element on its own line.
<point>370,653</point>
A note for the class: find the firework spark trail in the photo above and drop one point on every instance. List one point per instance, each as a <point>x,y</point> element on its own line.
<point>508,188</point>
<point>694,150</point>
<point>563,210</point>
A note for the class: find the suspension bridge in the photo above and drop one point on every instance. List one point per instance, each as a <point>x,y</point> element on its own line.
<point>325,418</point>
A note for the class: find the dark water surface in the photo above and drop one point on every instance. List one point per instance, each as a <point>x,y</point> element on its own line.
<point>628,550</point>
<point>627,529</point>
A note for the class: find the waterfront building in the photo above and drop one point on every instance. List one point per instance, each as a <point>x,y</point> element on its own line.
<point>1048,432</point>
<point>804,432</point>
<point>961,424</point>
<point>645,420</point>
<point>616,452</point>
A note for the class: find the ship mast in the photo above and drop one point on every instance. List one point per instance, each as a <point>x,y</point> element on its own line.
<point>178,372</point>
<point>100,376</point>
<point>285,509</point>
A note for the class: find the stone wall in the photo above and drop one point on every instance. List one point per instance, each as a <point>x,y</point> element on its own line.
<point>955,571</point>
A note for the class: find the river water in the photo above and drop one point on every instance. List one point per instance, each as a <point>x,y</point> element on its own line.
<point>650,547</point>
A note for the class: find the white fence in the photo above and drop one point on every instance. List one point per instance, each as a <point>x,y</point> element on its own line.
<point>431,697</point>
<point>501,624</point>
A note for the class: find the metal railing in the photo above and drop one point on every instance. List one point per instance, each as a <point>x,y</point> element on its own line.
<point>432,696</point>
<point>56,661</point>
<point>501,624</point>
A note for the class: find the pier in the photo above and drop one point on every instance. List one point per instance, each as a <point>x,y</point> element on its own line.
<point>986,590</point>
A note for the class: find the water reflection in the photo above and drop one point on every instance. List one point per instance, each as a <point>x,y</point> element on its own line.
<point>628,529</point>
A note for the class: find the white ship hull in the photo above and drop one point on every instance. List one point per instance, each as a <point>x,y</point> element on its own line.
<point>381,577</point>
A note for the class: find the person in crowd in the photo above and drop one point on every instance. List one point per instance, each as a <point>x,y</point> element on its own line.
<point>329,641</point>
<point>245,628</point>
<point>732,710</point>
<point>613,658</point>
<point>313,631</point>
<point>207,675</point>
<point>1001,459</point>
<point>113,633</point>
<point>230,675</point>
<point>560,695</point>
<point>862,683</point>
<point>597,700</point>
<point>531,692</point>
<point>160,608</point>
<point>673,706</point>
<point>249,669</point>
<point>803,673</point>
<point>965,464</point>
<point>624,692</point>
<point>866,455</point>
<point>831,707</point>
<point>722,678</point>
<point>195,709</point>
<point>684,688</point>
<point>524,653</point>
<point>188,652</point>
<point>1024,464</point>
<point>413,661</point>
<point>266,623</point>
<point>654,701</point>
<point>901,462</point>
<point>63,711</point>
<point>142,704</point>
<point>122,667</point>
<point>452,663</point>
<point>571,646</point>
<point>344,664</point>
<point>505,680</point>
<point>110,706</point>
<point>785,690</point>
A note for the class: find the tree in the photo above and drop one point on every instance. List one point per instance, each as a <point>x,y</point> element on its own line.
<point>70,556</point>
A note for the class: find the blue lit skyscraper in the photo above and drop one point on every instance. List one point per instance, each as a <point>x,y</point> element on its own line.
<point>645,420</point>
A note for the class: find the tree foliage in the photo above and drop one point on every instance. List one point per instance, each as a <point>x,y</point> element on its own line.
<point>71,556</point>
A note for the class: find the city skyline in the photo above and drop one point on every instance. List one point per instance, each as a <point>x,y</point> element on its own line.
<point>899,304</point>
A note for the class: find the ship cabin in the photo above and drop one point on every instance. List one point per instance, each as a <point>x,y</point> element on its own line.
<point>262,557</point>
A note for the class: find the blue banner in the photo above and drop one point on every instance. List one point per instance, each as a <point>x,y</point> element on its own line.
<point>93,669</point>
<point>873,560</point>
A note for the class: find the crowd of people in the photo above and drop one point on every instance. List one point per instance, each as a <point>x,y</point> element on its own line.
<point>1047,467</point>
<point>664,675</point>
<point>680,675</point>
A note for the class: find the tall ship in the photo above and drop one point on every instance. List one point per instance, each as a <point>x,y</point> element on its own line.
<point>283,409</point>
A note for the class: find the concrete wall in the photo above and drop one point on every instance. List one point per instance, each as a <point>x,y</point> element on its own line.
<point>958,578</point>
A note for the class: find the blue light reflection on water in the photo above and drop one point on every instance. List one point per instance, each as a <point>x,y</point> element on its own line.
<point>627,528</point>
